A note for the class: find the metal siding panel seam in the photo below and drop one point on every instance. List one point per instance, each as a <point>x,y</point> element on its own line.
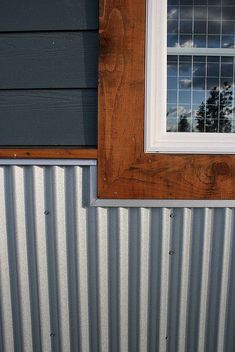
<point>5,289</point>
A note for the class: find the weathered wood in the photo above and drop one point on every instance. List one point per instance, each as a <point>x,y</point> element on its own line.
<point>34,15</point>
<point>46,153</point>
<point>125,171</point>
<point>48,117</point>
<point>48,60</point>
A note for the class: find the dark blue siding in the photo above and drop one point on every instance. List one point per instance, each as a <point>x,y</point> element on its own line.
<point>48,73</point>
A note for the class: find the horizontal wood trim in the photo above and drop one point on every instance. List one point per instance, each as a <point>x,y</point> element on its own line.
<point>37,15</point>
<point>61,153</point>
<point>175,177</point>
<point>48,60</point>
<point>124,170</point>
<point>48,117</point>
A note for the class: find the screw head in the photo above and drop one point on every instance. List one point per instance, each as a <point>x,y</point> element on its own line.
<point>171,252</point>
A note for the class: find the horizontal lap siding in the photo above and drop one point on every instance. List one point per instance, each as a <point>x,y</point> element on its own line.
<point>48,117</point>
<point>48,60</point>
<point>48,73</point>
<point>44,15</point>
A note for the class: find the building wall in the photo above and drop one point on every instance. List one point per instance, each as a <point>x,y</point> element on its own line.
<point>80,278</point>
<point>48,71</point>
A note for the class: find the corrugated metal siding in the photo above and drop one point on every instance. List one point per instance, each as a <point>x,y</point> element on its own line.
<point>80,278</point>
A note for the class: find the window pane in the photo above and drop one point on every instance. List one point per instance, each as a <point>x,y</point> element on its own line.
<point>201,23</point>
<point>200,94</point>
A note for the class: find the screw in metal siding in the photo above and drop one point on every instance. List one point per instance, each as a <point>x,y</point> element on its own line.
<point>172,215</point>
<point>52,334</point>
<point>46,212</point>
<point>171,252</point>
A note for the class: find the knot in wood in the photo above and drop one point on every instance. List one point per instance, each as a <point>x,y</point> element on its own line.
<point>220,168</point>
<point>105,44</point>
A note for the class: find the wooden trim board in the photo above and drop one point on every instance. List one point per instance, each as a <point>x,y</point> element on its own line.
<point>50,153</point>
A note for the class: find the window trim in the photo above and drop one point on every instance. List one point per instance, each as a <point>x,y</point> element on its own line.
<point>156,138</point>
<point>125,171</point>
<point>156,74</point>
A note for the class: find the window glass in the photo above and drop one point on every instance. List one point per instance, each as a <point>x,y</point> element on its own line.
<point>201,23</point>
<point>201,66</point>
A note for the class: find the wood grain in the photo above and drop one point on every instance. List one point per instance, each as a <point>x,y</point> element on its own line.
<point>60,153</point>
<point>125,171</point>
<point>48,60</point>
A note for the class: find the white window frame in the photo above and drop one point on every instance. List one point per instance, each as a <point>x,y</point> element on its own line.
<point>157,140</point>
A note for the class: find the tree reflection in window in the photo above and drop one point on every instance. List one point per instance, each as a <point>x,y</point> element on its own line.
<point>215,115</point>
<point>201,66</point>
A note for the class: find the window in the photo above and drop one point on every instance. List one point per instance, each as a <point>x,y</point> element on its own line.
<point>190,105</point>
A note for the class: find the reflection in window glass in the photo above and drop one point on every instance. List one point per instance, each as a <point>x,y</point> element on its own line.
<point>201,23</point>
<point>201,94</point>
<point>200,83</point>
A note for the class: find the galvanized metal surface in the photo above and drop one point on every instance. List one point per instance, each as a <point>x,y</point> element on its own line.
<point>81,278</point>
